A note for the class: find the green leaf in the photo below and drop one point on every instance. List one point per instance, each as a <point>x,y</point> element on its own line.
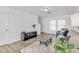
<point>63,46</point>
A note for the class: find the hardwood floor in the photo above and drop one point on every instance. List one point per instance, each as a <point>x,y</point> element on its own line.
<point>16,46</point>
<point>75,39</point>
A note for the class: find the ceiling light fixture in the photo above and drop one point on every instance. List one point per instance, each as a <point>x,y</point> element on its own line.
<point>46,9</point>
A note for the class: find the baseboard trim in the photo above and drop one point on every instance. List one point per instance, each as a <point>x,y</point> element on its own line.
<point>9,42</point>
<point>75,32</point>
<point>45,33</point>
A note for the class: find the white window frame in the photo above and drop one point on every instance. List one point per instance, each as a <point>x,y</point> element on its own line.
<point>61,24</point>
<point>52,25</point>
<point>56,25</point>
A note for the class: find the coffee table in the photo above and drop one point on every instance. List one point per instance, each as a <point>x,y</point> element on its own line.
<point>45,39</point>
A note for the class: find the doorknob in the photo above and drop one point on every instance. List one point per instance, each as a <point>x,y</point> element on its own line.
<point>6,30</point>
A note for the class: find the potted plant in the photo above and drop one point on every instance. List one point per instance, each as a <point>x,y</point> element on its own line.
<point>63,47</point>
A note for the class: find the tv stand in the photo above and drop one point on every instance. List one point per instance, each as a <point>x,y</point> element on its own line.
<point>28,35</point>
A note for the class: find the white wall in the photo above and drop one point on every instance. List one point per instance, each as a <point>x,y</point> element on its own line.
<point>45,23</point>
<point>75,19</point>
<point>20,21</point>
<point>75,22</point>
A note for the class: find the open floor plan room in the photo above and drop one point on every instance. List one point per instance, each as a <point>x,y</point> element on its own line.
<point>39,29</point>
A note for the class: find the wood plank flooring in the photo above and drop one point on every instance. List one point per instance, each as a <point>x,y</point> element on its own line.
<point>16,46</point>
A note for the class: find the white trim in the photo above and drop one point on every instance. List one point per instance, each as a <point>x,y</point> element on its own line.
<point>3,43</point>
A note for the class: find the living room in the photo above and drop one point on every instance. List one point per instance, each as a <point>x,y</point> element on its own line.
<point>22,27</point>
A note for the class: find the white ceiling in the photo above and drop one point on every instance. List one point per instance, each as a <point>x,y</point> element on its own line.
<point>55,10</point>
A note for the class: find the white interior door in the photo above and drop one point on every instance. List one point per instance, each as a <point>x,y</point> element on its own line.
<point>4,28</point>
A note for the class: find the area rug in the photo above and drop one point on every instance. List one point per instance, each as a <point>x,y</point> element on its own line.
<point>37,48</point>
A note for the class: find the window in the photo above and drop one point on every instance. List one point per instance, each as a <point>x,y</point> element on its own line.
<point>52,25</point>
<point>61,24</point>
<point>57,24</point>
